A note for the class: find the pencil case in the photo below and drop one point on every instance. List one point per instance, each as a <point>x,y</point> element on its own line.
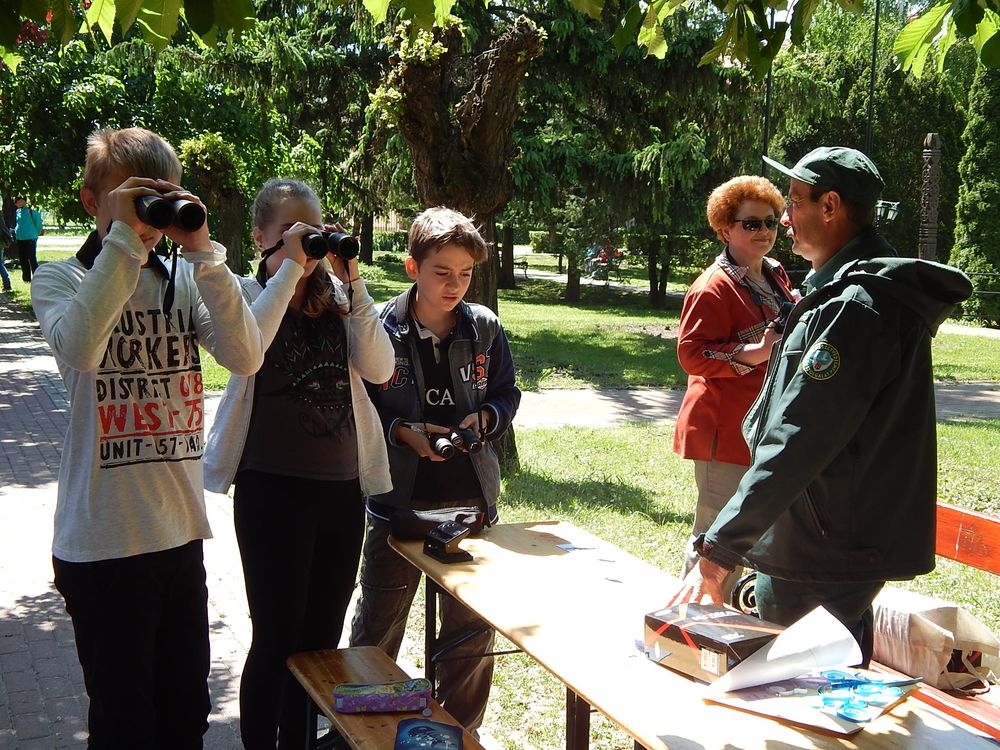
<point>379,697</point>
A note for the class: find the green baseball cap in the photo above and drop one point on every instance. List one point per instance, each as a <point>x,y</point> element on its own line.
<point>845,170</point>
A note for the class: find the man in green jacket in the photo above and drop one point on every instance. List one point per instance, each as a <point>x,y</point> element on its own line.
<point>841,493</point>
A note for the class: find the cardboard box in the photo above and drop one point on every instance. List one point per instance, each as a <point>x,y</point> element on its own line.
<point>704,640</point>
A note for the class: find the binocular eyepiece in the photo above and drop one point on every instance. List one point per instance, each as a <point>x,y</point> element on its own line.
<point>466,439</point>
<point>318,244</point>
<point>160,213</point>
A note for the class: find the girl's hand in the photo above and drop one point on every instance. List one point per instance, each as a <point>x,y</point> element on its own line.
<point>345,270</point>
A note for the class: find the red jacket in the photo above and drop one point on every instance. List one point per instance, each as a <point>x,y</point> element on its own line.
<point>720,316</point>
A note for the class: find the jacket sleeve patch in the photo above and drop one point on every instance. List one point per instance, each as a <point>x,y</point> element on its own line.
<point>821,361</point>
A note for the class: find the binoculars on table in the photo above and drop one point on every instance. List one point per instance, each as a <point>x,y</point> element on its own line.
<point>160,213</point>
<point>445,445</point>
<point>318,244</point>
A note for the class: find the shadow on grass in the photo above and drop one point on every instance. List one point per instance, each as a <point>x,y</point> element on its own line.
<point>539,490</point>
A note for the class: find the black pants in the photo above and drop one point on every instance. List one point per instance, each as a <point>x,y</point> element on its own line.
<point>141,627</point>
<point>300,541</point>
<point>27,256</point>
<point>784,602</point>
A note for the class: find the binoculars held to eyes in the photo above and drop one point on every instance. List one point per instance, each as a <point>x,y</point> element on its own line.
<point>318,244</point>
<point>445,445</point>
<point>160,213</point>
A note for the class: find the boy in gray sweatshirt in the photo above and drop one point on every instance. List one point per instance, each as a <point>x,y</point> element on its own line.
<point>130,516</point>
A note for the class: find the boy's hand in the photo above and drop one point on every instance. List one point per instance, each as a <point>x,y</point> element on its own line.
<point>121,204</point>
<point>418,442</point>
<point>472,422</point>
<point>197,241</point>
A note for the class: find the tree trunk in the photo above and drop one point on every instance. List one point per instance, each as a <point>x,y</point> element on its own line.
<point>462,152</point>
<point>367,238</point>
<point>657,295</point>
<point>507,258</point>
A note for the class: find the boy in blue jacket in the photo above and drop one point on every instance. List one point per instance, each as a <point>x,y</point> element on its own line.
<point>453,369</point>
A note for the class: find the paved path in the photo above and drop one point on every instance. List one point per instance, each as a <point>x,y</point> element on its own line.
<point>42,700</point>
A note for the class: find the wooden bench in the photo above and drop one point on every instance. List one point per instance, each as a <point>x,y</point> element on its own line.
<point>319,671</point>
<point>970,538</point>
<point>522,263</point>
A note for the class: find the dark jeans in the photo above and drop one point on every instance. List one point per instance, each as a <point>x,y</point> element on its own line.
<point>141,626</point>
<point>300,540</point>
<point>388,585</point>
<point>26,254</point>
<point>784,602</point>
<point>3,269</point>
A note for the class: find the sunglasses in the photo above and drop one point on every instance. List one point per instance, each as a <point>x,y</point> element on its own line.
<point>755,225</point>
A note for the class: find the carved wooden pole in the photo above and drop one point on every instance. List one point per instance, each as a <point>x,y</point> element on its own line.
<point>929,191</point>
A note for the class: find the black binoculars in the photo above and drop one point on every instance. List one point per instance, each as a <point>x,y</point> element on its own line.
<point>445,445</point>
<point>318,244</point>
<point>160,213</point>
<point>784,310</point>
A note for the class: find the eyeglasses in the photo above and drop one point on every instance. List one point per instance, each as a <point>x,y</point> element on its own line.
<point>755,225</point>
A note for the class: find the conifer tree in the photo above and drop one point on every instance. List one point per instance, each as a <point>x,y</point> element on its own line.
<point>977,247</point>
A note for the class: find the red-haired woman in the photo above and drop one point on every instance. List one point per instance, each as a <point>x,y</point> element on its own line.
<point>724,341</point>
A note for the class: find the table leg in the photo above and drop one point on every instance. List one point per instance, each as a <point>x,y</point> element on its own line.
<point>430,632</point>
<point>577,721</point>
<point>312,719</point>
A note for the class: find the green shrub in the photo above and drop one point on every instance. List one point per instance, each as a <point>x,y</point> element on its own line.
<point>389,242</point>
<point>977,232</point>
<point>541,242</point>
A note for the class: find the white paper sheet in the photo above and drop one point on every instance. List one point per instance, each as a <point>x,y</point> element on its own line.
<point>817,641</point>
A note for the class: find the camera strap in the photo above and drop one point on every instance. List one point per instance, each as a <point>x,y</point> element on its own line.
<point>262,267</point>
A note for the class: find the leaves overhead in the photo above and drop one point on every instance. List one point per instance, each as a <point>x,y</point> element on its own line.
<point>752,33</point>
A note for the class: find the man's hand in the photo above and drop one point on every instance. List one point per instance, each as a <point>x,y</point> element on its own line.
<point>703,585</point>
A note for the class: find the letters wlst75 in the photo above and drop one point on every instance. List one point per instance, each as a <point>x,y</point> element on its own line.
<point>149,391</point>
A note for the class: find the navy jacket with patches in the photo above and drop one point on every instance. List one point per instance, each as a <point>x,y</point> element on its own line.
<point>843,480</point>
<point>482,371</point>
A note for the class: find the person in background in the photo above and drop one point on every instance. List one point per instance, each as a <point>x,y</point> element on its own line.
<point>6,241</point>
<point>302,442</point>
<point>841,493</point>
<point>27,230</point>
<point>453,368</point>
<point>726,334</point>
<point>130,515</point>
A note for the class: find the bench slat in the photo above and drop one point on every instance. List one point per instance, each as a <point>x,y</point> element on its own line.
<point>968,537</point>
<point>319,671</point>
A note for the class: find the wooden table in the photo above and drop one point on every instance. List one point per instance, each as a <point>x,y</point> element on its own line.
<point>575,604</point>
<point>319,671</point>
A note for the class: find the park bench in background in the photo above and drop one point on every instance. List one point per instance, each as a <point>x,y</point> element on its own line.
<point>522,263</point>
<point>319,671</point>
<point>970,538</point>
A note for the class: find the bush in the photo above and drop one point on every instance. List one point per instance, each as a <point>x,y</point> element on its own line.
<point>541,243</point>
<point>389,242</point>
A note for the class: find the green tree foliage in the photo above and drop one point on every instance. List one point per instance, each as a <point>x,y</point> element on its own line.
<point>643,140</point>
<point>750,34</point>
<point>822,96</point>
<point>977,247</point>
